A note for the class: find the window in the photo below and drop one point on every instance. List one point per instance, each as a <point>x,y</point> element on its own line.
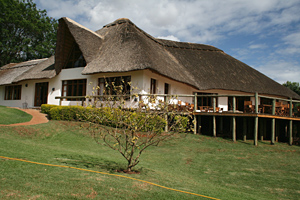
<point>206,101</point>
<point>167,89</point>
<point>75,58</point>
<point>239,103</point>
<point>13,92</point>
<point>115,85</point>
<point>74,88</point>
<point>153,86</point>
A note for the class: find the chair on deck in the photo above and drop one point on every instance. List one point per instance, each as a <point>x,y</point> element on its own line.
<point>278,108</point>
<point>285,110</point>
<point>248,107</point>
<point>191,107</point>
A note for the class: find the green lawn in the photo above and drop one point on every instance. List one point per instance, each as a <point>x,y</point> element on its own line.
<point>204,165</point>
<point>13,116</point>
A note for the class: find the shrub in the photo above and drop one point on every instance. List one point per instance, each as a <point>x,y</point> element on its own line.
<point>45,108</point>
<point>105,116</point>
<point>69,113</point>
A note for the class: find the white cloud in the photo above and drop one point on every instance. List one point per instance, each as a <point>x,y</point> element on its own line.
<point>166,17</point>
<point>293,39</point>
<point>169,37</point>
<point>258,46</point>
<point>281,70</point>
<point>204,21</point>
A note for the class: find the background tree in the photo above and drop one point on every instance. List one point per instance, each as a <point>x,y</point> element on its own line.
<point>294,86</point>
<point>26,32</point>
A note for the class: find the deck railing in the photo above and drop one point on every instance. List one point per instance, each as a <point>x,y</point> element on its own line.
<point>287,109</point>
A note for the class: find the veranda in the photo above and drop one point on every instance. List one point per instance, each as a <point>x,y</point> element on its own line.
<point>277,120</point>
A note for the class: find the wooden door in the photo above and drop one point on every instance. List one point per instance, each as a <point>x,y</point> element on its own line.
<point>41,93</point>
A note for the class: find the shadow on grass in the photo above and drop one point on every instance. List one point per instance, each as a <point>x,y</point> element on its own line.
<point>80,161</point>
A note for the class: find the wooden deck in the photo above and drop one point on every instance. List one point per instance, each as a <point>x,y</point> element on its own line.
<point>242,114</point>
<point>259,123</point>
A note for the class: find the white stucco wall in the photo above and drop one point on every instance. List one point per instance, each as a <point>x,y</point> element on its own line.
<point>140,81</point>
<point>223,103</point>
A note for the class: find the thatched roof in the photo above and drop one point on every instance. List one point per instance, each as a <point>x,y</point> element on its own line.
<point>9,72</point>
<point>43,70</point>
<point>121,47</point>
<point>69,32</point>
<point>125,47</point>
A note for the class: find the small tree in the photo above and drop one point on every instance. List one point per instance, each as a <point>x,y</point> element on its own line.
<point>131,130</point>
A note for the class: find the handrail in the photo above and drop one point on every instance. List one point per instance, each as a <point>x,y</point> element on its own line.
<point>176,95</point>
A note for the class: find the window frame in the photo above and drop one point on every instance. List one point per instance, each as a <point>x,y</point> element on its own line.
<point>13,92</point>
<point>153,86</point>
<point>75,87</point>
<point>107,82</point>
<point>166,91</point>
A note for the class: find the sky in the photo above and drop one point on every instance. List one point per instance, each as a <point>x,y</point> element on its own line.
<point>265,34</point>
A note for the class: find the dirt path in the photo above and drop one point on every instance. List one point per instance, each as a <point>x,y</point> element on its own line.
<point>37,118</point>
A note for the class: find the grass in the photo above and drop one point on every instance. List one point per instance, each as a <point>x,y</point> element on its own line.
<point>13,116</point>
<point>200,164</point>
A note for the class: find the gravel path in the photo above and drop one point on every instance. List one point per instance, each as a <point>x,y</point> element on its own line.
<point>37,118</point>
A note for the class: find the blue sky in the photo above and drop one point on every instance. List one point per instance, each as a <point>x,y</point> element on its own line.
<point>265,34</point>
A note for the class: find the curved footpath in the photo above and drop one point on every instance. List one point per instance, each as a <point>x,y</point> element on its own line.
<point>37,118</point>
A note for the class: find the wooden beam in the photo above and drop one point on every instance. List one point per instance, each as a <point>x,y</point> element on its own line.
<point>167,123</point>
<point>273,123</point>
<point>214,126</point>
<point>291,133</point>
<point>214,104</point>
<point>255,130</point>
<point>291,107</point>
<point>233,129</point>
<point>273,132</point>
<point>195,124</point>
<point>233,104</point>
<point>256,102</point>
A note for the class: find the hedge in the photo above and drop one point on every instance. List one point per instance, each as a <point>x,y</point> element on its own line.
<point>111,117</point>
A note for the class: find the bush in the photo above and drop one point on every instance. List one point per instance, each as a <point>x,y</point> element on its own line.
<point>45,108</point>
<point>69,113</point>
<point>105,116</point>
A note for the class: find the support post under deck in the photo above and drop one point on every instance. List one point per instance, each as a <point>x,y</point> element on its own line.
<point>273,123</point>
<point>256,120</point>
<point>233,120</point>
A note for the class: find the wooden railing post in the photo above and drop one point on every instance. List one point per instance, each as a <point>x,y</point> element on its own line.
<point>233,119</point>
<point>256,102</point>
<point>195,102</point>
<point>214,104</point>
<point>291,107</point>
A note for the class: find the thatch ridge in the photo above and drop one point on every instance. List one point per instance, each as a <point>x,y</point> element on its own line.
<point>163,42</point>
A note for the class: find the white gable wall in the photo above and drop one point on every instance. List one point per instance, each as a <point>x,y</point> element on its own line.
<point>56,83</point>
